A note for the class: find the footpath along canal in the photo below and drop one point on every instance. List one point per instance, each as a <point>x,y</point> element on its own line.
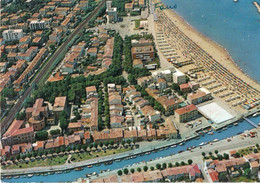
<point>73,175</point>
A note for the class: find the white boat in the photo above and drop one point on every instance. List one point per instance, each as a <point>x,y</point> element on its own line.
<point>173,146</point>
<point>16,177</point>
<point>30,175</point>
<point>215,140</point>
<point>235,1</point>
<point>202,143</point>
<point>256,114</point>
<point>181,144</point>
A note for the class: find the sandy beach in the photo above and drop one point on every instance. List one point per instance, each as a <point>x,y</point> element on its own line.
<point>211,47</point>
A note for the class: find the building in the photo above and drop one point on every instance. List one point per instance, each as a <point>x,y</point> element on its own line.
<point>179,77</point>
<point>185,88</point>
<point>162,83</point>
<point>145,53</point>
<point>73,127</point>
<point>37,25</point>
<point>151,114</point>
<point>91,91</point>
<point>37,115</point>
<point>137,63</point>
<point>111,12</point>
<point>128,7</point>
<point>198,97</point>
<point>187,113</point>
<point>60,104</point>
<point>17,133</point>
<point>12,34</point>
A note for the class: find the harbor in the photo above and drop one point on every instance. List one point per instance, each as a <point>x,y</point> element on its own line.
<point>151,152</point>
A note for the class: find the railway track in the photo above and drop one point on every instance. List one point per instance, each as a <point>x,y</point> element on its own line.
<point>17,107</point>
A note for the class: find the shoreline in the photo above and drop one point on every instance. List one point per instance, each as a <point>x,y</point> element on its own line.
<point>216,50</point>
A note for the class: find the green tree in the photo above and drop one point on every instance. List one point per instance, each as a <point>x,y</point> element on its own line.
<point>170,165</point>
<point>175,87</point>
<point>203,154</point>
<point>210,153</point>
<point>164,165</point>
<point>190,161</point>
<point>119,172</point>
<point>222,177</point>
<point>226,156</point>
<point>145,168</point>
<point>41,135</point>
<point>182,163</point>
<point>151,168</point>
<point>177,164</point>
<point>132,170</point>
<point>126,171</point>
<point>139,169</point>
<point>158,166</point>
<point>216,151</point>
<point>55,132</point>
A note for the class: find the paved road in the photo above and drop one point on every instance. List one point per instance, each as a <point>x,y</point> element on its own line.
<point>16,108</point>
<point>222,146</point>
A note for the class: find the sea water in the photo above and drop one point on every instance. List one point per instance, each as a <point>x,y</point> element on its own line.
<point>235,26</point>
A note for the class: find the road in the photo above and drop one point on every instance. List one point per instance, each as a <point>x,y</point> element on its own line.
<point>222,146</point>
<point>17,107</point>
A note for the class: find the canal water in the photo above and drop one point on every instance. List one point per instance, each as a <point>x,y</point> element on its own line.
<point>71,176</point>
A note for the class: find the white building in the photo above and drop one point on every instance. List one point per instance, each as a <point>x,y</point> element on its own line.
<point>12,34</point>
<point>111,12</point>
<point>37,25</point>
<point>179,77</point>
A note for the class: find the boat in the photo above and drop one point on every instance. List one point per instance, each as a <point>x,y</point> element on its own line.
<point>193,147</point>
<point>88,175</point>
<point>256,114</point>
<point>235,124</point>
<point>235,1</point>
<point>173,146</point>
<point>202,143</point>
<point>197,138</point>
<point>211,133</point>
<point>215,140</point>
<point>94,173</point>
<point>181,144</point>
<point>66,171</point>
<point>118,160</point>
<point>78,169</point>
<point>30,175</point>
<point>98,164</point>
<point>147,153</point>
<point>16,177</point>
<point>90,166</point>
<point>108,162</point>
<point>8,177</point>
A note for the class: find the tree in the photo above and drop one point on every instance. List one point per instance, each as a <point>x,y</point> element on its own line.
<point>139,169</point>
<point>145,168</point>
<point>177,164</point>
<point>41,135</point>
<point>128,141</point>
<point>247,173</point>
<point>210,153</point>
<point>226,156</point>
<point>190,161</point>
<point>182,163</point>
<point>151,168</point>
<point>255,151</point>
<point>158,166</point>
<point>216,151</point>
<point>222,177</point>
<point>257,145</point>
<point>63,124</point>
<point>126,171</point>
<point>132,170</point>
<point>203,154</point>
<point>55,132</point>
<point>170,165</point>
<point>119,172</point>
<point>175,87</point>
<point>164,165</point>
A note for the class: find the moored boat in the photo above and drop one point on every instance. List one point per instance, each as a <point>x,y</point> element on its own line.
<point>30,175</point>
<point>16,177</point>
<point>78,169</point>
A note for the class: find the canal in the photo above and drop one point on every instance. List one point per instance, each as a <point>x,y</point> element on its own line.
<point>72,175</point>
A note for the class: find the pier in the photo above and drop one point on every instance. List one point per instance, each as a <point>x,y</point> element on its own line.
<point>251,122</point>
<point>257,6</point>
